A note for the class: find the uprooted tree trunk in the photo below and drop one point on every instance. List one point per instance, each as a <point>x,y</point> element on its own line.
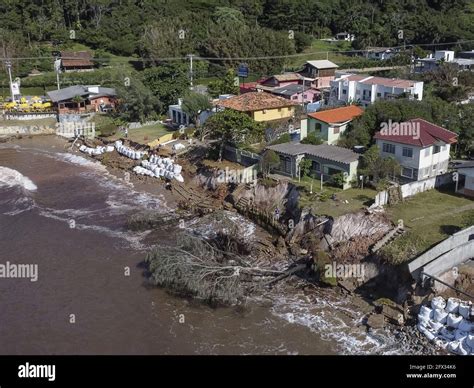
<point>196,268</point>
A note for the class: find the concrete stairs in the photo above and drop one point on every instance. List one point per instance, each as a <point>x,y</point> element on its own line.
<point>390,236</point>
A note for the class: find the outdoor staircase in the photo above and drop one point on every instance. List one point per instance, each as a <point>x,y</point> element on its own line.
<point>242,203</point>
<point>390,236</point>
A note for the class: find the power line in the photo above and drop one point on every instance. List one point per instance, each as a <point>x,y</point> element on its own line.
<point>185,58</point>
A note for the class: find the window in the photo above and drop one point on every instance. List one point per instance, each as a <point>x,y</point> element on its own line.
<point>436,149</point>
<point>407,152</point>
<point>407,172</point>
<point>336,130</point>
<point>294,97</point>
<point>305,95</point>
<point>344,91</point>
<point>427,152</point>
<point>317,127</point>
<point>316,166</point>
<point>388,148</point>
<point>434,168</point>
<point>379,94</point>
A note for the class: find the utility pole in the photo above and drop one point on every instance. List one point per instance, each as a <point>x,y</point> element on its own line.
<point>57,68</point>
<point>9,69</point>
<point>190,56</point>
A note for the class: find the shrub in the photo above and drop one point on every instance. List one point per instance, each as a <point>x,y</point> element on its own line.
<point>312,139</point>
<point>285,138</point>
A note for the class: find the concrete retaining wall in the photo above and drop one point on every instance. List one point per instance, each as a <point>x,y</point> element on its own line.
<point>450,259</point>
<point>452,242</point>
<point>413,188</point>
<point>27,130</point>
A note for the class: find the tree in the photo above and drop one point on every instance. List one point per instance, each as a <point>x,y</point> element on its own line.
<point>270,160</point>
<point>374,166</point>
<point>305,166</point>
<point>167,81</point>
<point>137,103</point>
<point>230,126</point>
<point>194,104</point>
<point>200,269</point>
<point>77,100</point>
<point>226,85</point>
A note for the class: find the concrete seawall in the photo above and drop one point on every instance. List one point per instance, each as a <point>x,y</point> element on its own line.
<point>446,251</point>
<point>450,259</point>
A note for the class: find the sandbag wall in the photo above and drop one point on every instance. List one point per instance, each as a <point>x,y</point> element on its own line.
<point>160,167</point>
<point>128,152</point>
<point>95,151</point>
<point>449,324</point>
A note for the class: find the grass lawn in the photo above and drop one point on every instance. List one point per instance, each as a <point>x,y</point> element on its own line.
<point>323,47</point>
<point>321,203</point>
<point>222,165</point>
<point>432,216</point>
<point>143,135</point>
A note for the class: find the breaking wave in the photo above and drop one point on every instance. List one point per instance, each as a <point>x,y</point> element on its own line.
<point>12,178</point>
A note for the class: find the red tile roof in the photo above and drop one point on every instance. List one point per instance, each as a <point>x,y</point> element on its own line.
<point>253,101</point>
<point>337,115</point>
<point>429,134</point>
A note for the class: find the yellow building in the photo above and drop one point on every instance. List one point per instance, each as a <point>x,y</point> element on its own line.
<point>261,106</point>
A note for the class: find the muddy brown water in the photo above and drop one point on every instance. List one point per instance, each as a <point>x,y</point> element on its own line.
<point>81,272</point>
<point>44,191</point>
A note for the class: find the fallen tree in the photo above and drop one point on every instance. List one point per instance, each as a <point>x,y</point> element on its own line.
<point>198,268</point>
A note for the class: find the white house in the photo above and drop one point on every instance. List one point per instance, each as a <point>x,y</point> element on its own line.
<point>367,89</point>
<point>348,37</point>
<point>381,53</point>
<point>465,179</point>
<point>432,62</point>
<point>179,117</point>
<point>421,148</point>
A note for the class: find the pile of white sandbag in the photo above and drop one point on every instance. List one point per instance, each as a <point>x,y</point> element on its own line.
<point>178,146</point>
<point>95,151</point>
<point>128,152</point>
<point>160,167</point>
<point>450,324</point>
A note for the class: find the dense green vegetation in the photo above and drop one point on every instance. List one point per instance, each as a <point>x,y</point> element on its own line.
<point>158,29</point>
<point>141,47</point>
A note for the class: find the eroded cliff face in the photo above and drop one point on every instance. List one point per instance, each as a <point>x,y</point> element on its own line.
<point>358,225</point>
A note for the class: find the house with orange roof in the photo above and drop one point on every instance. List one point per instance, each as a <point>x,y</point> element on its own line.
<point>330,124</point>
<point>261,106</point>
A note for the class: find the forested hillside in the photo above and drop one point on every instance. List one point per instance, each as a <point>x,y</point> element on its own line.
<point>154,29</point>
